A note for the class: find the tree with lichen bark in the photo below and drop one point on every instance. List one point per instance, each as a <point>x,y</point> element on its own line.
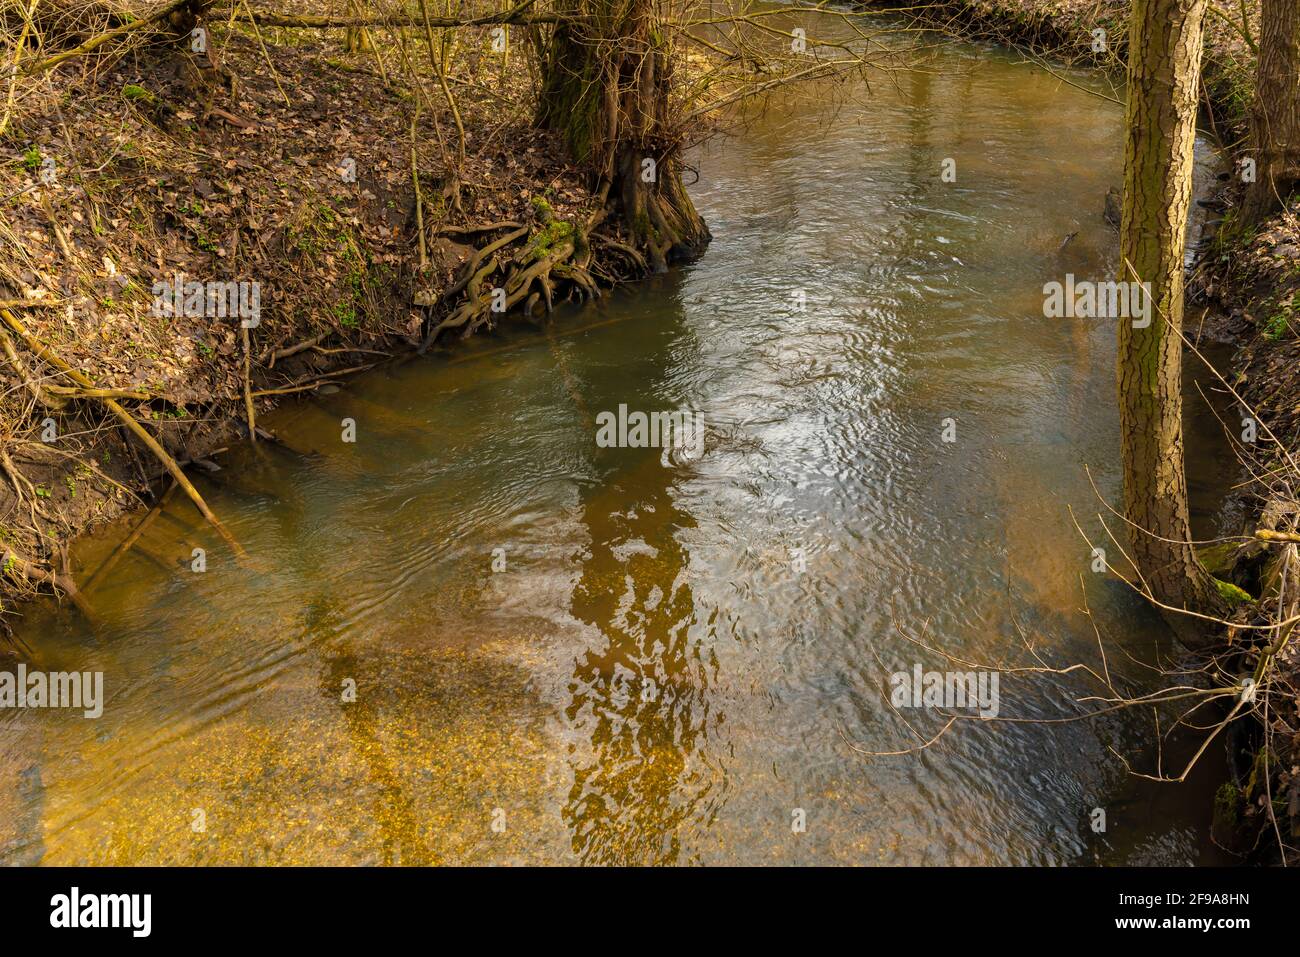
<point>607,85</point>
<point>1165,41</point>
<point>1275,114</point>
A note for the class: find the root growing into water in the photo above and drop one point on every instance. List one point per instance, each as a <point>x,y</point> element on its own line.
<point>528,265</point>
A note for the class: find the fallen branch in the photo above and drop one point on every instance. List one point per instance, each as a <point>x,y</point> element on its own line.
<point>24,570</point>
<point>40,66</point>
<point>232,119</point>
<point>44,396</point>
<point>515,16</point>
<point>125,546</point>
<point>272,356</point>
<point>130,422</point>
<point>470,230</point>
<point>303,385</point>
<point>86,393</point>
<point>250,411</point>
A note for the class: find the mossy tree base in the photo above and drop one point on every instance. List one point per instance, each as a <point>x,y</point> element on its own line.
<point>607,90</point>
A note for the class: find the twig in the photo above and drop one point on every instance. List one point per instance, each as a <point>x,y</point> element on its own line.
<point>130,422</point>
<point>40,66</point>
<point>125,546</point>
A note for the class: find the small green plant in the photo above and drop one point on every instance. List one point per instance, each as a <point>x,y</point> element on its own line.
<point>346,314</point>
<point>32,159</point>
<point>1232,236</point>
<point>1277,325</point>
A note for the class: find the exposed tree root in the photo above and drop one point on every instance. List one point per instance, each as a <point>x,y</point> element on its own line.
<point>532,268</point>
<point>528,266</point>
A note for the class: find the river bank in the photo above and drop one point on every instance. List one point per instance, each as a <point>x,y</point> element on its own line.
<point>1250,280</point>
<point>201,245</point>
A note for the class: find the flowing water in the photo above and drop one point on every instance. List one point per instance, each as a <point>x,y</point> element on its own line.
<point>563,652</point>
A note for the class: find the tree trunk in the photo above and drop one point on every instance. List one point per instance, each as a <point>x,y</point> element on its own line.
<point>606,88</point>
<point>1275,114</point>
<point>1164,73</point>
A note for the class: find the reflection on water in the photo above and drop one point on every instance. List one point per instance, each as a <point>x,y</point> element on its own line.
<point>640,693</point>
<point>475,636</point>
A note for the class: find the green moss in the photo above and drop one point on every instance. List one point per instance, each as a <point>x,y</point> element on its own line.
<point>1231,593</point>
<point>1218,559</point>
<point>571,100</point>
<point>1264,759</point>
<point>1227,806</point>
<point>32,159</point>
<point>553,234</point>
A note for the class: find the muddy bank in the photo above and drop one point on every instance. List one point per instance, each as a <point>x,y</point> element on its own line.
<point>201,241</point>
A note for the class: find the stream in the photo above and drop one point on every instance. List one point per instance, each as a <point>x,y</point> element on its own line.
<point>477,635</point>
